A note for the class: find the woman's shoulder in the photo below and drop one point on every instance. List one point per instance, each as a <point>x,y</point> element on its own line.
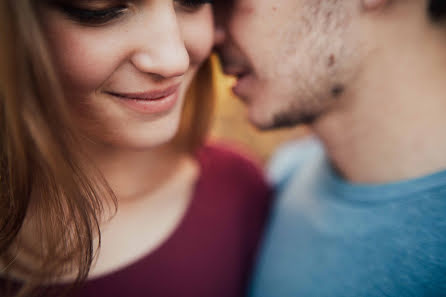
<point>232,165</point>
<point>233,175</point>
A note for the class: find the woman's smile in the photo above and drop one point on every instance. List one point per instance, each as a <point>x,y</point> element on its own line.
<point>142,55</point>
<point>149,102</point>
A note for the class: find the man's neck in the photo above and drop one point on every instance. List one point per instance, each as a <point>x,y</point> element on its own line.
<point>392,126</point>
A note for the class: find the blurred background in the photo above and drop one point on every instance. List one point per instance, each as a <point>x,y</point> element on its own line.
<point>231,124</point>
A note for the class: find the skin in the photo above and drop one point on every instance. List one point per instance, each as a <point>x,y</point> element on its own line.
<point>153,45</point>
<point>280,44</point>
<point>354,71</point>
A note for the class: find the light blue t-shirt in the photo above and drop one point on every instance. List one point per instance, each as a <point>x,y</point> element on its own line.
<point>330,238</point>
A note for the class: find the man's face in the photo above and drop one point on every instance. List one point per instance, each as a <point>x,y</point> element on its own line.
<point>292,58</point>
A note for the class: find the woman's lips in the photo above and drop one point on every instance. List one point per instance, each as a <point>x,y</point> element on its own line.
<point>156,101</point>
<point>149,95</point>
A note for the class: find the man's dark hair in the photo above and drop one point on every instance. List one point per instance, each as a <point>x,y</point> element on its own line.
<point>437,9</point>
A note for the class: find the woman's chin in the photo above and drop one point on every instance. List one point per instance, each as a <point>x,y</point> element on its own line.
<point>147,142</point>
<point>147,139</point>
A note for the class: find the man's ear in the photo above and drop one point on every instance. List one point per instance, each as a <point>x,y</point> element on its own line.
<point>373,4</point>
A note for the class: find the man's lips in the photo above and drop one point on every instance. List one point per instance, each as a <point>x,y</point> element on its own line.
<point>236,71</point>
<point>148,95</point>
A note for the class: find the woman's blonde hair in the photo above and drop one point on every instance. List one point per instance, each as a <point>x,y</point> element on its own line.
<point>38,158</point>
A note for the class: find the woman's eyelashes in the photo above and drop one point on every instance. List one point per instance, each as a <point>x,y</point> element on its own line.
<point>101,16</point>
<point>193,4</point>
<point>92,16</point>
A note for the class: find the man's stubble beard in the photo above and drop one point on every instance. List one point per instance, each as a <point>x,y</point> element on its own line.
<point>314,72</point>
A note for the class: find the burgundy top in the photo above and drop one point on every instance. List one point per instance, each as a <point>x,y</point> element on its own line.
<point>211,252</point>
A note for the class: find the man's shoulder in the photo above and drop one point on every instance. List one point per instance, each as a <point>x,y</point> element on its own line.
<point>291,156</point>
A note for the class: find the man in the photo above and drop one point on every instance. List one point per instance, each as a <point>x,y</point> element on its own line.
<point>361,207</point>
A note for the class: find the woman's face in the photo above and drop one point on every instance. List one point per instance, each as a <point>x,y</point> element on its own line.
<point>125,65</point>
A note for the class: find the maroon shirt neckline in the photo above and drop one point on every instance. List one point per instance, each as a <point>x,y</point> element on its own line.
<point>180,226</point>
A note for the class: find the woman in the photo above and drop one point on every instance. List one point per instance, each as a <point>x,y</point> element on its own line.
<point>106,188</point>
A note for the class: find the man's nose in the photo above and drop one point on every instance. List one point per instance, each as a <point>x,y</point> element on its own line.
<point>223,10</point>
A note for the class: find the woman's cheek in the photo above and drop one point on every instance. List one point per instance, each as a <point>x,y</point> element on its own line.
<point>198,34</point>
<point>83,61</point>
<point>87,67</point>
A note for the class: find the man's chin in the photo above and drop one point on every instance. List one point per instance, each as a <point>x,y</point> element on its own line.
<point>261,121</point>
<point>267,122</point>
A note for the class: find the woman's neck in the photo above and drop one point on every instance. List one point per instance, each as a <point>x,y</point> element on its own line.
<point>133,174</point>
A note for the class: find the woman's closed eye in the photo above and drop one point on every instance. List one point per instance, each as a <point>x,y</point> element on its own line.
<point>104,13</point>
<point>93,16</point>
<point>192,5</point>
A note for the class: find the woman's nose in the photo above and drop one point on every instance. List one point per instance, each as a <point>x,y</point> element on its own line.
<point>162,50</point>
